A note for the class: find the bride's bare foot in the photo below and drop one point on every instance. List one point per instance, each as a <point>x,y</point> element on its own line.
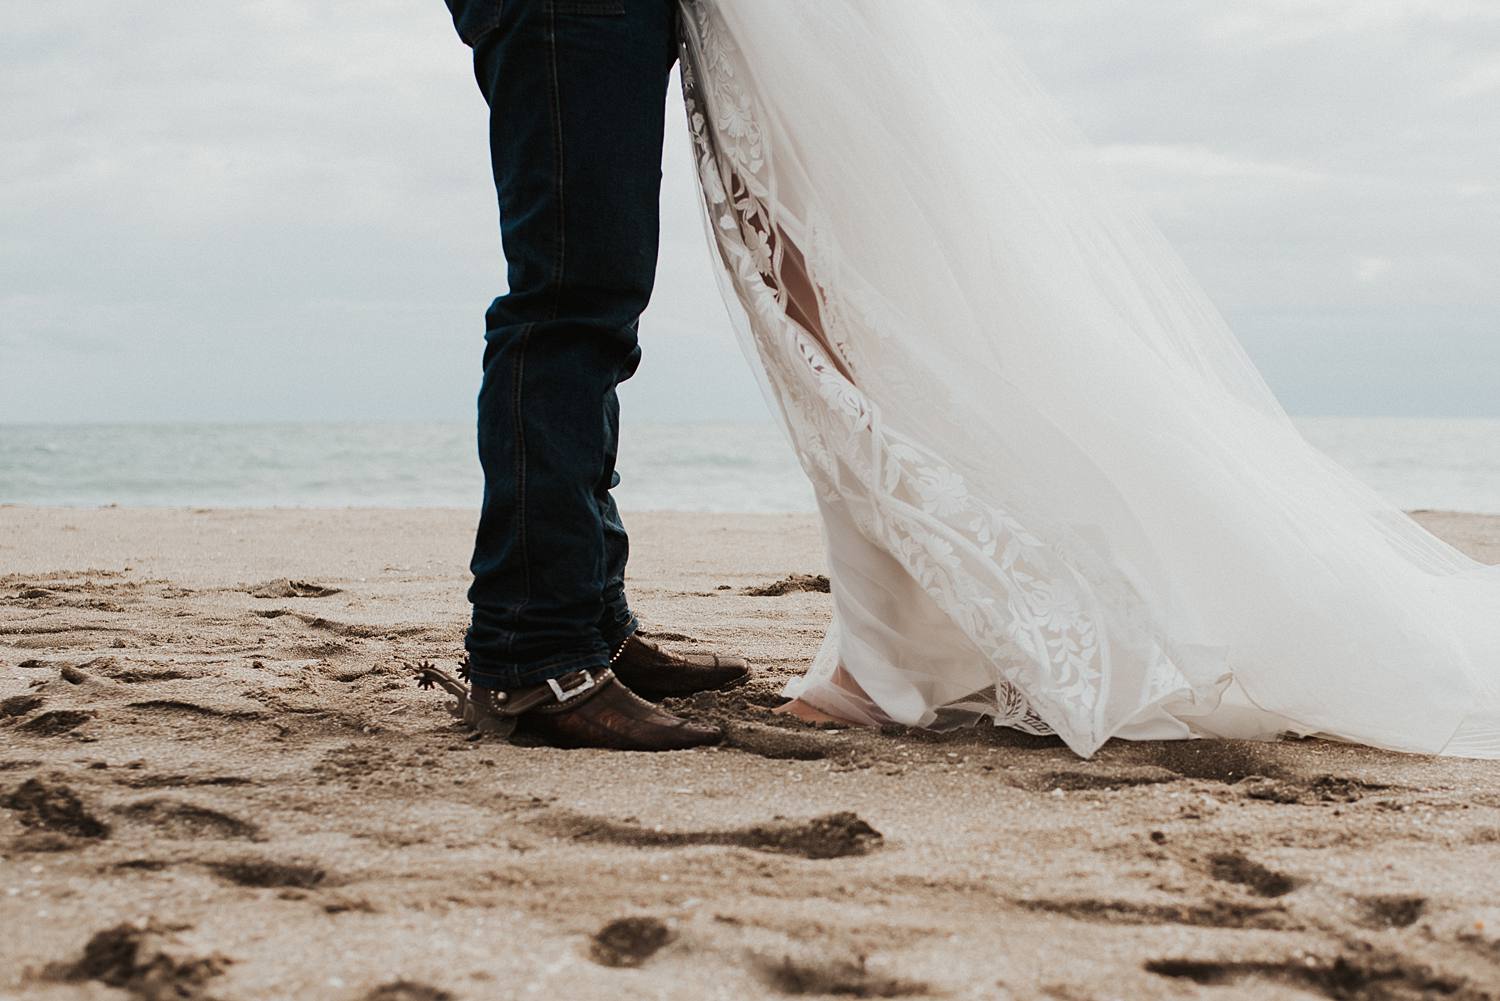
<point>807,713</point>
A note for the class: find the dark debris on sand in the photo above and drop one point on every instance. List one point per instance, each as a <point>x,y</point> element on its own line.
<point>1216,913</point>
<point>285,588</point>
<point>57,721</point>
<point>1393,910</point>
<point>1375,976</point>
<point>1232,867</point>
<point>836,835</point>
<point>266,873</point>
<point>20,705</point>
<point>53,806</point>
<point>842,978</point>
<point>629,941</point>
<point>146,961</point>
<point>793,584</point>
<point>407,990</point>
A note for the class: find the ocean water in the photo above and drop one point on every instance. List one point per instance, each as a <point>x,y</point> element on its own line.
<point>1443,464</point>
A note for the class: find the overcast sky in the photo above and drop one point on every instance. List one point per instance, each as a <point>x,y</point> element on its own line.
<point>282,210</point>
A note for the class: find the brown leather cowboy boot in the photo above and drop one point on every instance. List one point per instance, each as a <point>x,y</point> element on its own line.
<point>588,708</point>
<point>652,672</point>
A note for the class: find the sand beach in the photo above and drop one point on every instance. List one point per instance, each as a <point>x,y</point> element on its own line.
<point>217,780</point>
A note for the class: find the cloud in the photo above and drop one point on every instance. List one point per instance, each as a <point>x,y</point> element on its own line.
<point>1201,162</point>
<point>219,211</point>
<point>1371,269</point>
<point>1298,22</point>
<point>1476,81</point>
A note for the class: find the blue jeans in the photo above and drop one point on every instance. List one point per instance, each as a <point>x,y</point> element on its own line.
<point>577,96</point>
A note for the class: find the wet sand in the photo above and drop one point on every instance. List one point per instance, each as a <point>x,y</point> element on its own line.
<point>218,781</point>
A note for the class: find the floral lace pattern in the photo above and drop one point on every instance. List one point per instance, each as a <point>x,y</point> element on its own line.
<point>1017,598</point>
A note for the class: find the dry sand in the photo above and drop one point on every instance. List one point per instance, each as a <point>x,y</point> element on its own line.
<point>223,786</point>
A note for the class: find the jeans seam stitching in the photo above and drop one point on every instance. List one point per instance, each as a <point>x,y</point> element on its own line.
<point>555,86</point>
<point>520,425</point>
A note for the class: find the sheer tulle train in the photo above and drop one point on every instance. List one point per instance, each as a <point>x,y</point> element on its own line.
<point>1056,493</point>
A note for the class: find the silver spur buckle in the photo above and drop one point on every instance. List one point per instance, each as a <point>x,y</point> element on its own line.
<point>564,694</point>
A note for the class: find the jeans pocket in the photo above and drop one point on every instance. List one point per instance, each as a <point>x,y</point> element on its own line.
<point>475,18</point>
<point>595,7</point>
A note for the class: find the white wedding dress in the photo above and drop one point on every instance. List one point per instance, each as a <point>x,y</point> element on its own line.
<point>1056,493</point>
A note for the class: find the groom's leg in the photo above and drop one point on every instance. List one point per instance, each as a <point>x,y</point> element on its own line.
<point>577,92</point>
<point>616,622</point>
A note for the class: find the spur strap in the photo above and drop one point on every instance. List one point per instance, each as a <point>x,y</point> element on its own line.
<point>495,712</point>
<point>555,695</point>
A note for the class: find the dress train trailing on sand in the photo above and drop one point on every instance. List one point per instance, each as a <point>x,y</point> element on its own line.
<point>1057,494</point>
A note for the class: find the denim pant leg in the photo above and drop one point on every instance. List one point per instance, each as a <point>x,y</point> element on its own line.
<point>577,94</point>
<point>617,622</point>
